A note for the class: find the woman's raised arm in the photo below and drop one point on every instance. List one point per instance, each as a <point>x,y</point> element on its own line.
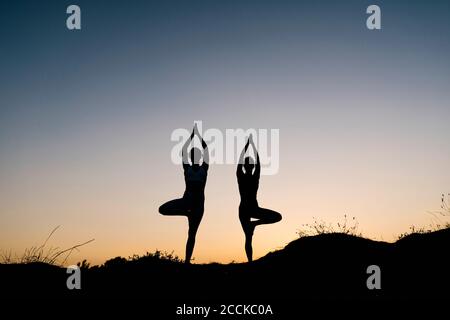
<point>184,151</point>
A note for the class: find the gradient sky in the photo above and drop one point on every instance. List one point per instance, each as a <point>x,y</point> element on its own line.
<point>86,118</point>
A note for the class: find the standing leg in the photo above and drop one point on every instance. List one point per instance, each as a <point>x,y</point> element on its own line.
<point>248,228</point>
<point>248,246</point>
<point>194,222</point>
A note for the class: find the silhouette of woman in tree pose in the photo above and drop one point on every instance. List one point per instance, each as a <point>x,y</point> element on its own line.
<point>191,204</point>
<point>248,187</point>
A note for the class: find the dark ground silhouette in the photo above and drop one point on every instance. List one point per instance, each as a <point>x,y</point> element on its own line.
<point>327,266</point>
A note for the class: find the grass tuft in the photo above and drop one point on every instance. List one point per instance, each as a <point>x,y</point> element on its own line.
<point>318,227</point>
<point>43,253</point>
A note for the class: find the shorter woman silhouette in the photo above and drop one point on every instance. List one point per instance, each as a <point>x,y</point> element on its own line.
<point>191,204</point>
<point>249,209</point>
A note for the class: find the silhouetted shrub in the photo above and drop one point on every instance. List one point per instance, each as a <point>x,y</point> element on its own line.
<point>318,227</point>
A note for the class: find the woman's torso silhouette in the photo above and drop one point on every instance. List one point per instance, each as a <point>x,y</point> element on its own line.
<point>195,180</point>
<point>248,189</point>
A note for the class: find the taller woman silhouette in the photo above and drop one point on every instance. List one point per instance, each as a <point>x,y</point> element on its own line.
<point>249,209</point>
<point>191,204</point>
